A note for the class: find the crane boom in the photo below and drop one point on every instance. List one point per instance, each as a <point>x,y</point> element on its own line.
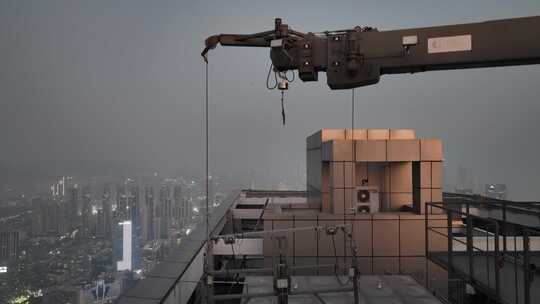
<point>359,56</point>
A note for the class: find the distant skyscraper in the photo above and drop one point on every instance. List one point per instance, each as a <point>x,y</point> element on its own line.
<point>106,213</point>
<point>177,206</point>
<point>163,211</point>
<point>127,247</point>
<point>148,216</point>
<point>9,245</point>
<point>47,217</point>
<point>72,208</point>
<point>37,218</point>
<point>86,213</point>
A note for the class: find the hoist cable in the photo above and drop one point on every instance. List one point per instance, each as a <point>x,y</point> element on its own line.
<point>206,157</point>
<point>206,257</point>
<point>282,108</point>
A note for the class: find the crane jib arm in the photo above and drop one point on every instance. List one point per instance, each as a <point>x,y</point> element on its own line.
<point>359,56</point>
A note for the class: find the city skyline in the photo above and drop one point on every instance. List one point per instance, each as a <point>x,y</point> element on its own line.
<point>120,85</point>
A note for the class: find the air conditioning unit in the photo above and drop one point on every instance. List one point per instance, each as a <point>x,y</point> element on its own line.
<point>367,199</point>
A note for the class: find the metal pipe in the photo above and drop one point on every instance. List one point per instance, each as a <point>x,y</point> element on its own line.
<point>263,270</point>
<point>526,271</point>
<point>497,262</point>
<point>426,236</point>
<point>470,246</point>
<point>255,233</point>
<point>515,270</point>
<point>504,228</point>
<point>450,244</point>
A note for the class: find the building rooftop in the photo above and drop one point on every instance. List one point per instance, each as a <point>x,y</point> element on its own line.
<point>372,289</point>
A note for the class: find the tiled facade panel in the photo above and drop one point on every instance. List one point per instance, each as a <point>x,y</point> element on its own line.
<point>356,134</point>
<point>337,198</point>
<point>362,233</point>
<point>403,150</point>
<point>401,177</point>
<point>398,201</point>
<point>337,175</point>
<point>431,150</point>
<point>305,242</point>
<point>375,134</point>
<point>402,134</point>
<point>431,174</point>
<point>338,150</point>
<point>386,238</point>
<point>412,237</point>
<point>429,185</point>
<point>371,150</point>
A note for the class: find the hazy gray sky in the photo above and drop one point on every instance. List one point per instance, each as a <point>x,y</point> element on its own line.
<point>122,81</point>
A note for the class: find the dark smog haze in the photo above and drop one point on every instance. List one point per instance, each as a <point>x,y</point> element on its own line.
<point>90,86</point>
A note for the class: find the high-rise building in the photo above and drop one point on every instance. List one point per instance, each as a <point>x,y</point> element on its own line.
<point>47,217</point>
<point>163,211</point>
<point>148,214</point>
<point>126,247</point>
<point>106,213</point>
<point>72,208</point>
<point>86,213</point>
<point>177,206</point>
<point>37,218</point>
<point>183,207</point>
<point>9,245</point>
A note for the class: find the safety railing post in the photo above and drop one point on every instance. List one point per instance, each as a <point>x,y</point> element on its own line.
<point>450,244</point>
<point>526,265</point>
<point>498,261</point>
<point>470,246</point>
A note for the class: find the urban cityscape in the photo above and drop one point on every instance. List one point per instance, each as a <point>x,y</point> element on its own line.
<point>272,152</point>
<point>92,239</point>
<point>87,240</point>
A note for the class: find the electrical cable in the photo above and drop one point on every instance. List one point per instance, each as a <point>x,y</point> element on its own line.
<point>232,262</point>
<point>336,265</point>
<point>293,76</point>
<point>268,79</point>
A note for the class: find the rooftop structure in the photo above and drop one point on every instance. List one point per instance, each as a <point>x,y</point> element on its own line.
<point>372,227</point>
<point>346,166</point>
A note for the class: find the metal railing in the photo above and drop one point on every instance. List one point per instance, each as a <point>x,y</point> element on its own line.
<point>491,254</point>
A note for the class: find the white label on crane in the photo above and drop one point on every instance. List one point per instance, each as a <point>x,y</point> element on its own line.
<point>410,40</point>
<point>276,43</point>
<point>449,44</point>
